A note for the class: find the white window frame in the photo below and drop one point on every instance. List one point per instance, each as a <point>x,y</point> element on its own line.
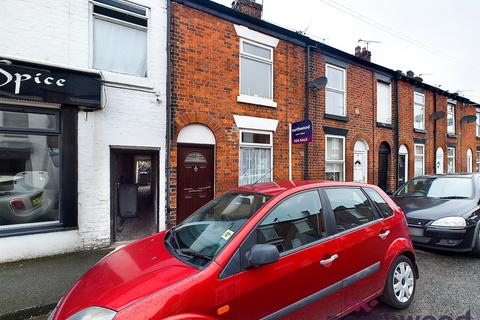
<point>115,76</point>
<point>255,145</point>
<point>478,122</point>
<point>478,161</point>
<point>389,102</point>
<point>451,157</point>
<point>452,114</point>
<point>469,158</point>
<point>415,104</point>
<point>415,155</point>
<point>344,91</point>
<point>335,161</point>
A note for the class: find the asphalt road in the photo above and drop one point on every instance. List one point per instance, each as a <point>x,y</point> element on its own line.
<point>448,287</point>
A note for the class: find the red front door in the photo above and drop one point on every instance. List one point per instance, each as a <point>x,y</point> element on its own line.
<point>195,174</point>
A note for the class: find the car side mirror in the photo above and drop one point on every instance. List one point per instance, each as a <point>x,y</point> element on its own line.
<point>262,254</point>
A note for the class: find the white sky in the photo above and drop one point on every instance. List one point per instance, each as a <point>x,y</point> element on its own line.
<point>449,29</point>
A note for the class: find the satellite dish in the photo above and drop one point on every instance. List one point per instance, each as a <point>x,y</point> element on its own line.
<point>320,83</point>
<point>469,119</point>
<point>438,115</point>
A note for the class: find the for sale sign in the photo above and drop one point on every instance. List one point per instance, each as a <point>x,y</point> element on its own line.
<point>302,132</point>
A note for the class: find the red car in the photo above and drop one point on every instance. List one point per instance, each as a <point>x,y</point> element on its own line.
<point>297,250</point>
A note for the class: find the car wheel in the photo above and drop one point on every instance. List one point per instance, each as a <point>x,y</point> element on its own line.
<point>476,248</point>
<point>401,284</point>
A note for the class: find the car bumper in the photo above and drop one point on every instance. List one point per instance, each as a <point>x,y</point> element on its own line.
<point>460,240</point>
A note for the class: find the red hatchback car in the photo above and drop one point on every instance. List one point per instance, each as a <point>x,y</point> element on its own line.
<point>295,250</point>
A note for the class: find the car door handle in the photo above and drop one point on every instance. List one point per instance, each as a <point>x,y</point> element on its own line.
<point>329,260</point>
<point>384,235</point>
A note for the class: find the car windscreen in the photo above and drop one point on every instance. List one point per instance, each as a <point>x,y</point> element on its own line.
<point>200,237</point>
<point>438,187</point>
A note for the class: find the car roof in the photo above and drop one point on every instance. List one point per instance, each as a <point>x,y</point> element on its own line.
<point>275,188</point>
<point>451,175</point>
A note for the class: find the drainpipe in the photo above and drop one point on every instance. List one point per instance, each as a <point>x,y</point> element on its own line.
<point>397,130</point>
<point>434,133</point>
<point>169,118</point>
<point>307,107</point>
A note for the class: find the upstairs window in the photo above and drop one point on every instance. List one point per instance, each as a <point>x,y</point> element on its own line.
<point>256,70</point>
<point>419,111</point>
<point>478,122</point>
<point>451,118</point>
<point>335,91</point>
<point>384,102</point>
<point>120,37</point>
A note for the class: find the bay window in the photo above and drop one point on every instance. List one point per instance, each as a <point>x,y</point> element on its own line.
<point>451,118</point>
<point>419,111</point>
<point>120,37</point>
<point>384,102</point>
<point>335,158</point>
<point>450,160</point>
<point>256,157</point>
<point>335,91</point>
<point>419,164</point>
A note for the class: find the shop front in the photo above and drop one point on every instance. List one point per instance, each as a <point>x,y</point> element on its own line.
<point>39,107</point>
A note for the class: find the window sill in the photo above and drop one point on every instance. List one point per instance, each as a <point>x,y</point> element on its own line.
<point>420,131</point>
<point>384,125</point>
<point>335,117</point>
<point>451,135</point>
<point>256,100</point>
<point>23,231</point>
<point>126,80</point>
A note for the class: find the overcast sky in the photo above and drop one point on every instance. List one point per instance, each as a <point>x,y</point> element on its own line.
<point>437,37</point>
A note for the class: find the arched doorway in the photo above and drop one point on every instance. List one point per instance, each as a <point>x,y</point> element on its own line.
<point>402,165</point>
<point>195,169</point>
<point>469,160</point>
<point>360,161</point>
<point>439,156</point>
<point>383,168</point>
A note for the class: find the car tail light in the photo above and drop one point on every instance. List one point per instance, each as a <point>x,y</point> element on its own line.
<point>17,204</point>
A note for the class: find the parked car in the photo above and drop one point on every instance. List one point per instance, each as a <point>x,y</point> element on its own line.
<point>295,250</point>
<point>22,202</point>
<point>443,211</point>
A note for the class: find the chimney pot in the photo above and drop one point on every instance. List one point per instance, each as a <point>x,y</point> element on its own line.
<point>363,53</point>
<point>249,7</point>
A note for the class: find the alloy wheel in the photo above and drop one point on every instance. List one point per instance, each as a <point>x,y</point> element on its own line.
<point>403,282</point>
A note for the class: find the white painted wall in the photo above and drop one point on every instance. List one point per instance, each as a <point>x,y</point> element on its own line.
<point>59,32</point>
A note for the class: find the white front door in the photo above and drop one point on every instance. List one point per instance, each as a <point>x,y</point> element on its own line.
<point>359,167</point>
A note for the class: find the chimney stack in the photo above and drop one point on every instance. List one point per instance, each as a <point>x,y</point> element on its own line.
<point>249,7</point>
<point>363,53</point>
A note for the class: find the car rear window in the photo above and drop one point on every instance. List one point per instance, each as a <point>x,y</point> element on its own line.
<point>382,205</point>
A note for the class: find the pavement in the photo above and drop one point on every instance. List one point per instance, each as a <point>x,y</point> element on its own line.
<point>448,287</point>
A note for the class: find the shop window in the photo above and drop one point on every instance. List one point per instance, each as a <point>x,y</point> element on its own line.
<point>419,111</point>
<point>256,70</point>
<point>336,91</point>
<point>256,157</point>
<point>120,37</point>
<point>384,102</point>
<point>419,164</point>
<point>450,160</point>
<point>335,158</point>
<point>451,118</point>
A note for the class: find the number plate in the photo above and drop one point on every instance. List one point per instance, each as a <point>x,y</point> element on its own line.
<point>37,201</point>
<point>416,232</point>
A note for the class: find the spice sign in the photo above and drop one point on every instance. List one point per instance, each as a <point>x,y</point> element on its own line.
<point>302,132</point>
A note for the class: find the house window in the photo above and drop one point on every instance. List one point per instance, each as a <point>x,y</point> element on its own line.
<point>419,165</point>
<point>335,91</point>
<point>335,158</point>
<point>451,118</point>
<point>478,161</point>
<point>256,157</point>
<point>419,111</point>
<point>450,160</point>
<point>120,37</point>
<point>256,70</point>
<point>469,160</point>
<point>478,122</point>
<point>384,102</point>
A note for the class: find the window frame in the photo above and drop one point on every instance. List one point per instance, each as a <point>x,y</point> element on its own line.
<point>344,91</point>
<point>258,59</point>
<point>477,123</point>
<point>334,161</point>
<point>389,85</point>
<point>255,145</point>
<point>415,154</point>
<point>147,29</point>
<point>415,104</point>
<point>451,114</point>
<point>477,162</point>
<point>451,157</point>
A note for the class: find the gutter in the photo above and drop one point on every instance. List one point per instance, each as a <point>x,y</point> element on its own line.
<point>168,164</point>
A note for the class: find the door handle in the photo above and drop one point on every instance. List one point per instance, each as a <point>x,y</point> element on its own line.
<point>384,235</point>
<point>329,260</point>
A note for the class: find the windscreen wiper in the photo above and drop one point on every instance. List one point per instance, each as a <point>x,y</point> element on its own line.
<point>193,253</point>
<point>453,197</point>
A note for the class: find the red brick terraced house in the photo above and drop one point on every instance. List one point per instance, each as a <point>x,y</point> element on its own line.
<point>237,82</point>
